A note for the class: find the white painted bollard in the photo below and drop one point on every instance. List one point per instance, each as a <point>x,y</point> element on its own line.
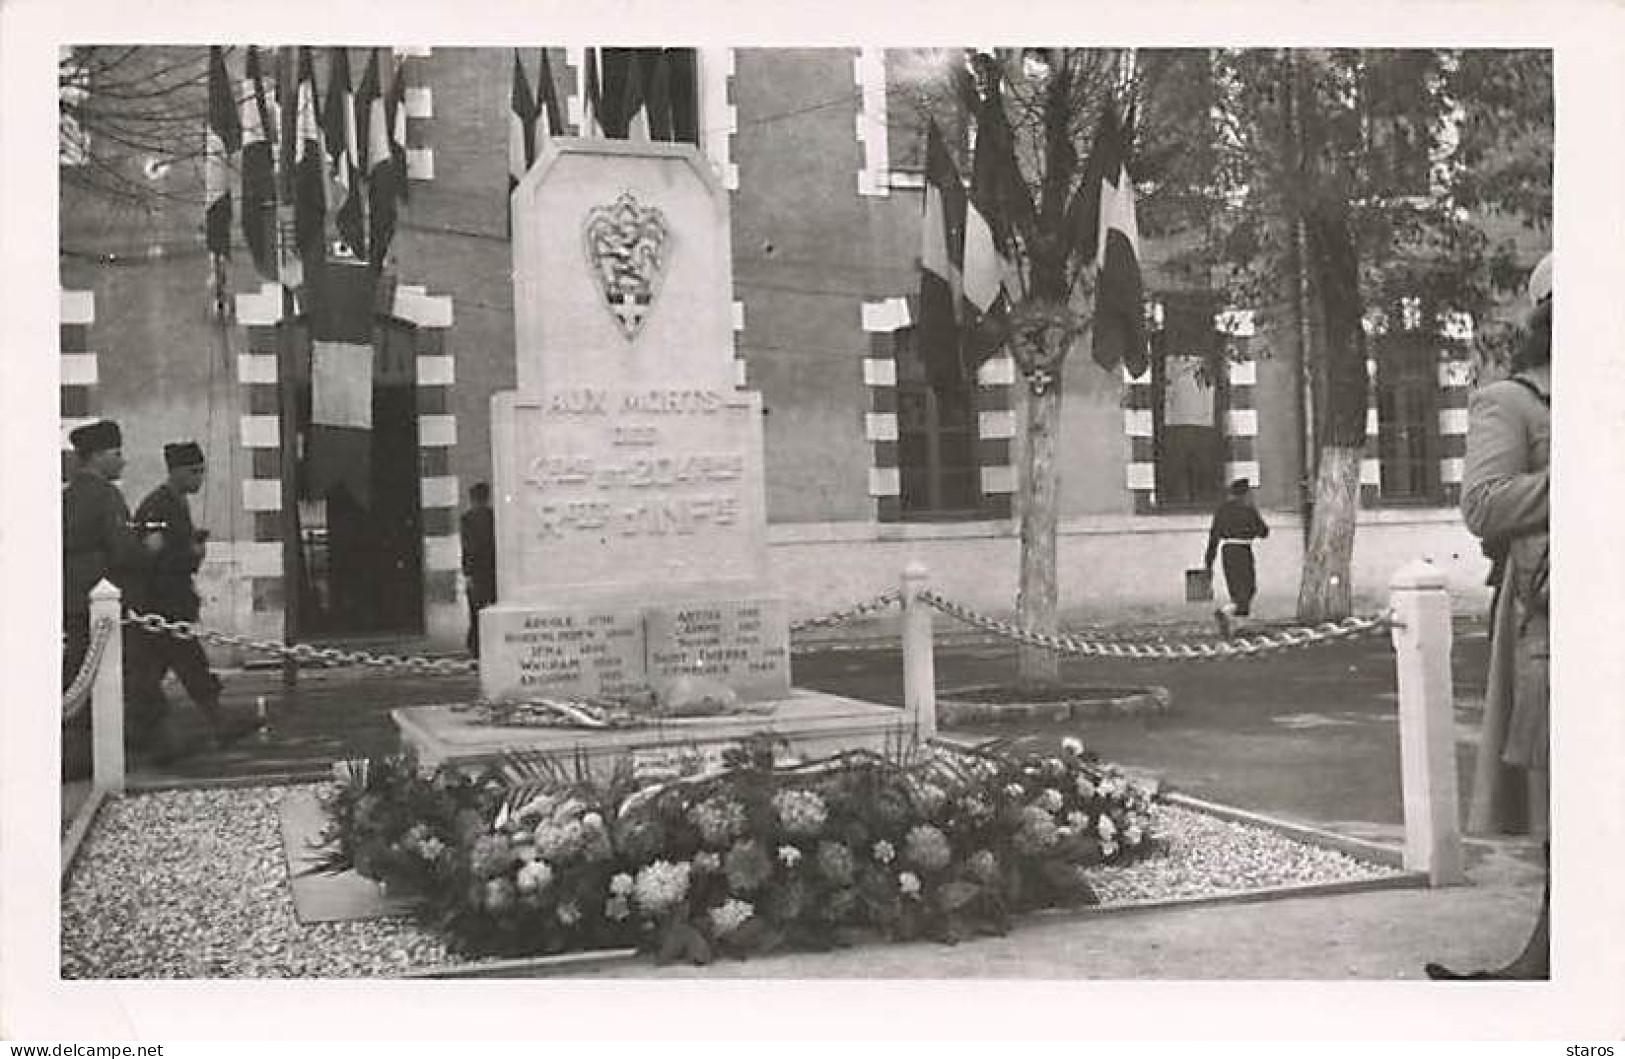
<point>1427,741</point>
<point>919,660</point>
<point>107,693</point>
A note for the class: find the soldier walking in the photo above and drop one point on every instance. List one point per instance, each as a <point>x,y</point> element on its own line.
<point>168,591</point>
<point>98,541</point>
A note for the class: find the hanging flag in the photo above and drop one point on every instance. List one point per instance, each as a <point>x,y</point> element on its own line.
<point>338,455</point>
<point>942,255</point>
<point>385,178</point>
<point>259,175</point>
<point>657,100</point>
<point>634,105</point>
<point>521,125</point>
<point>547,106</point>
<point>592,97</point>
<point>397,128</point>
<point>343,148</point>
<point>995,181</point>
<point>223,138</point>
<point>1119,323</point>
<point>310,168</point>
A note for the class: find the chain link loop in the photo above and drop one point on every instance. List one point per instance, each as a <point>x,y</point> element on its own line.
<point>1241,647</point>
<point>301,652</point>
<point>1109,646</point>
<point>858,610</point>
<point>78,693</point>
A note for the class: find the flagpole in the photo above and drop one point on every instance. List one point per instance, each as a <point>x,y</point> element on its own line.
<point>287,381</point>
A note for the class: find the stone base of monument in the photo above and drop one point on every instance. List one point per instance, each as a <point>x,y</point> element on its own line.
<point>812,723</point>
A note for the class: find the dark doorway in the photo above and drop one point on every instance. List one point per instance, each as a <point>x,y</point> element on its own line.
<point>361,517</point>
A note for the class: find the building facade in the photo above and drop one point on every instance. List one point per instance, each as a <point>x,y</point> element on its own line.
<point>867,466</point>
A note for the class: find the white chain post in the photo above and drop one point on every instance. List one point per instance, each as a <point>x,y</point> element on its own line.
<point>1427,744</point>
<point>107,694</point>
<point>919,662</point>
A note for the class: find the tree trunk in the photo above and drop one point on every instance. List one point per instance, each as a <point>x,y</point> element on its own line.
<point>1325,594</point>
<point>1325,590</point>
<point>1040,488</point>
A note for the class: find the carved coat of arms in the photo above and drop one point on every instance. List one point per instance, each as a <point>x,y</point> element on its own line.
<point>626,245</point>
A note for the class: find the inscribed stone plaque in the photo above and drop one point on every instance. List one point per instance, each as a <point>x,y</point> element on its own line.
<point>744,643</point>
<point>602,488</point>
<point>560,651</point>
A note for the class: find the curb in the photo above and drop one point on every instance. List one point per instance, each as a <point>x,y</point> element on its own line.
<point>959,706</point>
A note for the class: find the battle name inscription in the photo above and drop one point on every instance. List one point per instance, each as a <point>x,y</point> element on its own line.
<point>582,652</point>
<point>742,643</point>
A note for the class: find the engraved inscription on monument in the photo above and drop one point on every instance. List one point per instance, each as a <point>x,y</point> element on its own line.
<point>742,643</point>
<point>569,652</point>
<point>656,485</point>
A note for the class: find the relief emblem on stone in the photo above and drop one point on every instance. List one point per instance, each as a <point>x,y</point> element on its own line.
<point>626,245</point>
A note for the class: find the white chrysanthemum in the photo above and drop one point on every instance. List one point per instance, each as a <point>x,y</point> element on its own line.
<point>801,812</point>
<point>534,876</point>
<point>661,885</point>
<point>1072,745</point>
<point>789,855</point>
<point>884,851</point>
<point>1051,799</point>
<point>909,883</point>
<point>1105,828</point>
<point>730,916</point>
<point>621,884</point>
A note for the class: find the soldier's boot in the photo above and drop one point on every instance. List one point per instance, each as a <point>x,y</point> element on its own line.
<point>224,728</point>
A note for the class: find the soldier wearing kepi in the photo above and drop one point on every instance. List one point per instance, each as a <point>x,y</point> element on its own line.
<point>98,540</point>
<point>168,591</point>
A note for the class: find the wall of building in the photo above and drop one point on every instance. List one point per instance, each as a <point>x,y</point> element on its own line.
<point>822,233</point>
<point>1110,568</point>
<point>803,266</point>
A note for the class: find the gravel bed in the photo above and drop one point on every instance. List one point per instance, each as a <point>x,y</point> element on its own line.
<point>193,884</point>
<point>1203,856</point>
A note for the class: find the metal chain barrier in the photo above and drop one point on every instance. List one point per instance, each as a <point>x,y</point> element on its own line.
<point>301,652</point>
<point>860,610</point>
<point>1108,646</point>
<point>78,693</point>
<point>1241,647</point>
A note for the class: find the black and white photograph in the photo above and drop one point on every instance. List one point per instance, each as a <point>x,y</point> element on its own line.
<point>627,508</point>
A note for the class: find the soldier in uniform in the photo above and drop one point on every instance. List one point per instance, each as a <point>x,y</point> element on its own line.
<point>98,542</point>
<point>477,528</point>
<point>168,591</point>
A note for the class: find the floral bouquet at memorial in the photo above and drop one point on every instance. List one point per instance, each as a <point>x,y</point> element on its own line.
<point>748,858</point>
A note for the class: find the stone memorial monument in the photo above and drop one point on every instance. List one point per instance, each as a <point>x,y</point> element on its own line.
<point>630,516</point>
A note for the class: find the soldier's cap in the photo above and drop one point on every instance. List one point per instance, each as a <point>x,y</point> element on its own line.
<point>182,454</point>
<point>96,437</point>
<point>1240,485</point>
<point>1540,282</point>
